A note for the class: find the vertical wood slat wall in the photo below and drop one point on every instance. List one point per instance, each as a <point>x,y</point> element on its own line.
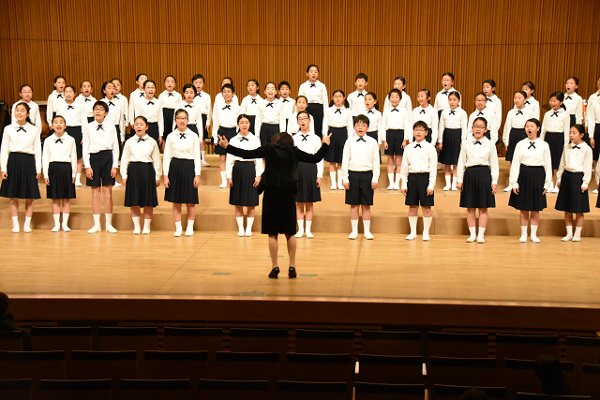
<point>510,41</point>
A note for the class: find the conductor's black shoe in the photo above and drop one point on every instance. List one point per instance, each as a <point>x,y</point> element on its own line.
<point>292,272</point>
<point>274,272</point>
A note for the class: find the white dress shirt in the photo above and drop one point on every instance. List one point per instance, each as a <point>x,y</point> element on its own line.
<point>293,126</point>
<point>124,107</point>
<point>556,121</point>
<point>592,116</point>
<point>577,158</point>
<point>534,105</point>
<point>99,137</point>
<point>374,121</point>
<point>356,100</point>
<point>489,116</point>
<point>225,116</point>
<point>315,92</point>
<point>185,146</point>
<point>478,152</point>
<point>248,142</point>
<point>250,104</point>
<point>220,102</point>
<point>170,99</point>
<point>429,115</point>
<point>115,115</point>
<point>21,139</point>
<point>595,97</point>
<point>515,118</point>
<point>441,99</point>
<point>536,155</point>
<point>419,157</point>
<point>136,95</point>
<point>309,143</point>
<point>270,112</point>
<point>203,100</point>
<point>144,150</point>
<point>289,106</point>
<point>194,114</point>
<point>395,118</point>
<point>405,102</point>
<point>59,150</point>
<point>152,110</point>
<point>74,114</point>
<point>495,104</point>
<point>338,118</point>
<point>34,113</point>
<point>88,103</point>
<point>54,101</point>
<point>360,154</point>
<point>453,119</point>
<point>574,104</point>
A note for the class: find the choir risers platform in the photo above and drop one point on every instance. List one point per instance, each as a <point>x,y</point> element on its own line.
<point>389,214</point>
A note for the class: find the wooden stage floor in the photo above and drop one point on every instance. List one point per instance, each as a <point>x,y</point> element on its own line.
<point>446,270</point>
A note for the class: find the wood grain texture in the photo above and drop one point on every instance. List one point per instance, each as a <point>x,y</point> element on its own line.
<point>273,40</point>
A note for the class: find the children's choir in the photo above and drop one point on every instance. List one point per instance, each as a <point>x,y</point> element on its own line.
<point>552,156</point>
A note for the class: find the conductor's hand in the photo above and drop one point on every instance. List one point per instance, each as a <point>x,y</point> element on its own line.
<point>403,191</point>
<point>196,181</point>
<point>494,188</point>
<point>113,172</point>
<point>318,182</point>
<point>167,182</point>
<point>516,190</point>
<point>223,142</point>
<point>48,181</point>
<point>346,185</point>
<point>373,185</point>
<point>327,139</point>
<point>429,192</point>
<point>89,173</point>
<point>256,181</point>
<point>230,183</point>
<point>124,182</point>
<point>459,186</point>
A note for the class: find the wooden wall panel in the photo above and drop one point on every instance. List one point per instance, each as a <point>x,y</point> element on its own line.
<point>272,40</point>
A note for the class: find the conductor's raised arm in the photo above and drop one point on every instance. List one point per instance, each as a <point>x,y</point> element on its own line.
<point>318,156</point>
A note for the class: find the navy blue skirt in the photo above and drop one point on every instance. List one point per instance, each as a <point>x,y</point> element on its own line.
<point>141,185</point>
<point>477,188</point>
<point>22,182</point>
<point>570,198</point>
<point>531,195</point>
<point>515,136</point>
<point>450,146</point>
<point>181,182</point>
<point>60,175</point>
<point>243,193</point>
<point>308,192</point>
<point>338,140</point>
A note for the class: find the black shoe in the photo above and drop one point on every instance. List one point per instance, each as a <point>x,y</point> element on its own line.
<point>274,272</point>
<point>292,272</point>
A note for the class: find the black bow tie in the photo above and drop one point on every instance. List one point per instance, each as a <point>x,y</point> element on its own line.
<point>100,127</point>
<point>188,106</point>
<point>181,135</point>
<point>304,138</point>
<point>478,142</point>
<point>58,141</point>
<point>452,112</point>
<point>554,114</point>
<point>244,138</point>
<point>490,100</point>
<point>445,92</point>
<point>370,112</point>
<point>86,100</point>
<point>361,138</point>
<point>395,109</point>
<point>142,94</point>
<point>531,144</point>
<point>361,94</point>
<point>527,102</point>
<point>170,94</point>
<point>480,114</point>
<point>150,103</point>
<point>519,112</point>
<point>576,147</point>
<point>253,101</point>
<point>60,96</point>
<point>70,107</point>
<point>338,110</point>
<point>21,129</point>
<point>110,103</point>
<point>313,85</point>
<point>269,105</point>
<point>568,98</point>
<point>141,139</point>
<point>418,145</point>
<point>285,100</point>
<point>227,107</point>
<point>422,112</point>
<point>198,94</point>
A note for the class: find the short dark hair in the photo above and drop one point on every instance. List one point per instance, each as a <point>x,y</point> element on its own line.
<point>481,119</point>
<point>255,82</point>
<point>196,77</point>
<point>310,66</point>
<point>57,77</point>
<point>71,87</point>
<point>188,86</point>
<point>361,76</point>
<point>450,74</point>
<point>137,78</point>
<point>283,138</point>
<point>455,94</point>
<point>228,86</point>
<point>170,76</point>
<point>284,83</point>
<point>361,118</point>
<point>529,84</point>
<point>102,104</point>
<point>398,92</point>
<point>149,81</point>
<point>422,124</point>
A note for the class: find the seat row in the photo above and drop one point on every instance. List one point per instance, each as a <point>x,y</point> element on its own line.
<point>467,345</point>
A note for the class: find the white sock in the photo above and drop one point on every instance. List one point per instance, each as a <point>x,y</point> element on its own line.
<point>339,178</point>
<point>448,180</point>
<point>570,231</point>
<point>189,230</point>
<point>136,224</point>
<point>481,233</point>
<point>426,225</point>
<point>65,222</point>
<point>249,222</point>
<point>240,224</point>
<point>27,224</point>
<point>454,181</point>
<point>534,230</point>
<point>397,181</point>
<point>203,153</point>
<point>96,219</point>
<point>308,224</point>
<point>78,177</point>
<point>301,225</point>
<point>332,176</point>
<point>354,224</point>
<point>223,177</point>
<point>178,229</point>
<point>109,219</point>
<point>412,221</point>
<point>391,178</point>
<point>147,222</point>
<point>577,231</point>
<point>56,218</point>
<point>472,231</point>
<point>15,221</point>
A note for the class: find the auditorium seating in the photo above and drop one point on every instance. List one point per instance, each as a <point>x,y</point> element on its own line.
<point>391,343</point>
<point>463,372</point>
<point>15,389</point>
<point>519,376</point>
<point>453,392</point>
<point>526,347</point>
<point>213,389</point>
<point>320,341</point>
<point>465,345</point>
<point>61,338</point>
<point>386,391</point>
<point>259,340</point>
<point>390,369</point>
<point>158,389</point>
<point>88,389</point>
<point>11,341</point>
<point>290,390</point>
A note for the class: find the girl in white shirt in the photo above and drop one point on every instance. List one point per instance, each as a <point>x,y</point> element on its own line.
<point>337,121</point>
<point>426,113</point>
<point>494,103</point>
<point>573,101</point>
<point>316,93</point>
<point>169,100</point>
<point>453,124</point>
<point>56,98</point>
<point>555,130</point>
<point>530,101</point>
